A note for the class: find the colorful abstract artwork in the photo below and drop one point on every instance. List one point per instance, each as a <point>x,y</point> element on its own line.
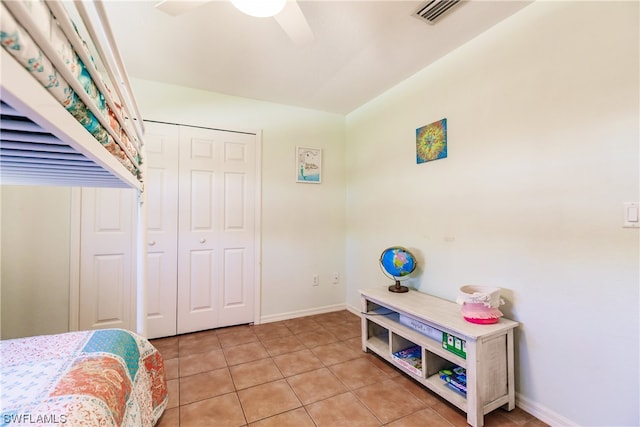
<point>431,142</point>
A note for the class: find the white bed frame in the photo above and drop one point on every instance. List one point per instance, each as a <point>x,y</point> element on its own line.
<point>79,160</point>
<point>42,144</point>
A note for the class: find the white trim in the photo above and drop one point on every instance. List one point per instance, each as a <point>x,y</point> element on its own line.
<point>302,313</point>
<point>542,413</point>
<point>74,259</point>
<point>257,242</point>
<point>139,297</point>
<point>0,259</point>
<point>355,310</point>
<point>250,131</point>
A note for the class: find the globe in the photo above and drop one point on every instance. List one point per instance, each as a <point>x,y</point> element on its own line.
<point>397,263</point>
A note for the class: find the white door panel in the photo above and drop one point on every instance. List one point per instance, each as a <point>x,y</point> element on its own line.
<point>201,187</point>
<point>215,261</point>
<point>201,204</point>
<point>161,142</point>
<point>107,271</point>
<point>233,274</point>
<point>197,230</point>
<point>111,288</point>
<point>234,200</point>
<point>238,230</point>
<point>200,293</point>
<point>237,287</point>
<point>155,295</point>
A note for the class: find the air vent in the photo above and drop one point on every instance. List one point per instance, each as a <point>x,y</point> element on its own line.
<point>433,10</point>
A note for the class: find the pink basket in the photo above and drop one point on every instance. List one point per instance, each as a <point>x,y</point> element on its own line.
<point>480,304</point>
<point>479,313</point>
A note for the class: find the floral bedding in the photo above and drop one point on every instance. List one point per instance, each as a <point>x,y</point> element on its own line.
<point>21,45</point>
<point>109,377</point>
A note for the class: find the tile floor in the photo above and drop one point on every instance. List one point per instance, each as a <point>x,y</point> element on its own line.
<point>308,371</point>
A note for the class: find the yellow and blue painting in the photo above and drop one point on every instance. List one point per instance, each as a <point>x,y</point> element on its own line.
<point>431,142</point>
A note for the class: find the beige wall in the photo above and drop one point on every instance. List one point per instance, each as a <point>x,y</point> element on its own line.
<point>302,224</point>
<point>543,150</point>
<point>35,260</point>
<point>543,122</point>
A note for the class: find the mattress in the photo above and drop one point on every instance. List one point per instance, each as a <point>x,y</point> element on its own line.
<point>109,377</point>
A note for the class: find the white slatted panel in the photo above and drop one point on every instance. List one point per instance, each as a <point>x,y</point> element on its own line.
<point>30,155</point>
<point>40,142</point>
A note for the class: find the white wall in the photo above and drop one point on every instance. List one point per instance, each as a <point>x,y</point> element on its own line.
<point>543,150</point>
<point>302,224</point>
<point>35,260</point>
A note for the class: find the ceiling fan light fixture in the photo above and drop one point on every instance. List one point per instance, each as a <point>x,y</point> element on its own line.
<point>259,8</point>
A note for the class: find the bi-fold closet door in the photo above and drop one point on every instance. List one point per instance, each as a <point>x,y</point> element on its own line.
<point>201,228</point>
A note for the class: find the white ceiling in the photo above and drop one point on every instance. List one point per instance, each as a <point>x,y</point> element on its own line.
<point>361,49</point>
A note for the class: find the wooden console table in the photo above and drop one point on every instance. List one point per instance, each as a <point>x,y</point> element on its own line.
<point>395,321</point>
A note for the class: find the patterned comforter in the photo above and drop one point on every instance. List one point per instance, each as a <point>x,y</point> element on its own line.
<point>109,377</point>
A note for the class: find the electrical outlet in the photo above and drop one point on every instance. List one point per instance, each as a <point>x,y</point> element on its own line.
<point>316,280</point>
<point>631,215</point>
<point>335,278</point>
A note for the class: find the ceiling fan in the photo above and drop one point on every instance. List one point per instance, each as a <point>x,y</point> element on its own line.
<point>286,12</point>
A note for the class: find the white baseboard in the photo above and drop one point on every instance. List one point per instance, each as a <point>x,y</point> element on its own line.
<point>301,313</point>
<point>354,310</point>
<point>543,413</point>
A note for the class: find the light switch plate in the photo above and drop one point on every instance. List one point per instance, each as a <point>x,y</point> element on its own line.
<point>631,215</point>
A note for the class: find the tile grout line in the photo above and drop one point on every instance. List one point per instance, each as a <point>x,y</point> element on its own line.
<point>308,326</point>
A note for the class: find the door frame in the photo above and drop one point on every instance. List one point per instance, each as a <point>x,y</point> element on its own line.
<point>138,307</point>
<point>74,259</point>
<point>257,237</point>
<point>137,292</point>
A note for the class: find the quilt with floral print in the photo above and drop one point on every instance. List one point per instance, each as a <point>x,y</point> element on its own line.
<point>109,377</point>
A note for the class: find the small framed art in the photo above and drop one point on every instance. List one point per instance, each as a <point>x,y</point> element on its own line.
<point>308,165</point>
<point>431,142</point>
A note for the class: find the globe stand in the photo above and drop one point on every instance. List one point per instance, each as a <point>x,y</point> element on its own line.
<point>397,263</point>
<point>398,288</point>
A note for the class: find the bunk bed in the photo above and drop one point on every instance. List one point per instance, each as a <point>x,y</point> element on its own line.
<point>64,122</point>
<point>69,118</point>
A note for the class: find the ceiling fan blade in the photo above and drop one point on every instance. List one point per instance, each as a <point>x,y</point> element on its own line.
<point>178,7</point>
<point>293,22</point>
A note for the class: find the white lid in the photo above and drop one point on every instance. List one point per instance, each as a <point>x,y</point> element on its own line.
<point>473,294</point>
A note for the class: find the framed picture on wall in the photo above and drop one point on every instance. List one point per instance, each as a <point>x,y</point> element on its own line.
<point>308,165</point>
<point>431,142</point>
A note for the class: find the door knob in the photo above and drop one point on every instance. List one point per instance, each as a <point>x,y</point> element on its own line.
<point>152,242</point>
<point>202,240</point>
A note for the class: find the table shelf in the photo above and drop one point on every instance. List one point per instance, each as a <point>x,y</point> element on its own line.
<point>489,348</point>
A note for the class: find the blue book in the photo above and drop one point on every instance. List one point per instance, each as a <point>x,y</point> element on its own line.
<point>410,358</point>
<point>455,378</point>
